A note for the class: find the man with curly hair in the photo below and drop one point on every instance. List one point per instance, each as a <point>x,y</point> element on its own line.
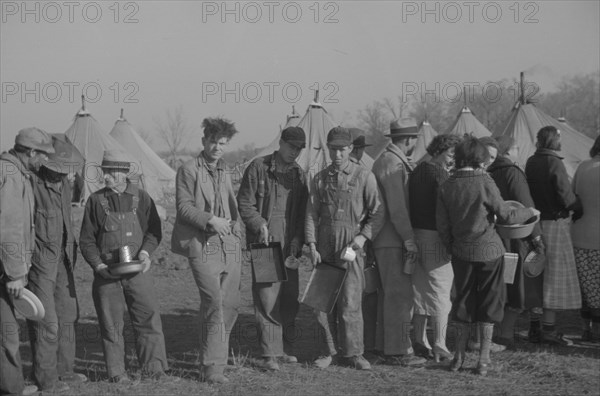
<point>207,232</point>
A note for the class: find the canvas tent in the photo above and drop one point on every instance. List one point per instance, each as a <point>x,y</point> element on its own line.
<point>523,125</point>
<point>316,123</point>
<point>426,135</point>
<point>466,123</point>
<point>156,175</point>
<point>86,134</point>
<point>291,120</point>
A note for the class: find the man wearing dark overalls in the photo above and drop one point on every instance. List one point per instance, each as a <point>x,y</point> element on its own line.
<point>51,275</point>
<point>344,209</point>
<point>272,204</point>
<point>122,214</point>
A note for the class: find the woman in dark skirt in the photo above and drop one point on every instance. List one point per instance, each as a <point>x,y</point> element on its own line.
<point>466,205</point>
<point>525,292</point>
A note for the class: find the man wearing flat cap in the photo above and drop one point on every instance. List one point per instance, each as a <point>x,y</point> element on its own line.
<point>343,210</point>
<point>272,204</point>
<point>51,275</point>
<point>118,215</point>
<point>17,241</point>
<point>395,245</point>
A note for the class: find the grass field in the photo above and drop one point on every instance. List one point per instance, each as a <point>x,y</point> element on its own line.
<point>529,370</point>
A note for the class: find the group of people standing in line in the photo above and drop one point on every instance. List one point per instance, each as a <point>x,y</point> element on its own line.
<point>429,229</point>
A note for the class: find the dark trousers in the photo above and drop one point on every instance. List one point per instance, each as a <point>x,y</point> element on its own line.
<point>276,306</point>
<point>136,295</point>
<point>11,371</point>
<point>480,290</point>
<point>369,309</point>
<point>53,338</point>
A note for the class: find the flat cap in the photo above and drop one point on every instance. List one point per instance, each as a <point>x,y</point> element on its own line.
<point>35,138</point>
<point>295,136</point>
<point>339,137</point>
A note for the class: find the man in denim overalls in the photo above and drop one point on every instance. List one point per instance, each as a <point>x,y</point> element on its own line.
<point>122,214</point>
<point>272,204</point>
<point>344,209</point>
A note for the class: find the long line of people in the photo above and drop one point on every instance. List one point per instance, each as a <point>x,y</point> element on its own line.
<point>429,228</point>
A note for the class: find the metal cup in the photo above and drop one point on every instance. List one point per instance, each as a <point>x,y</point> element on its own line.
<point>125,254</point>
<point>348,254</point>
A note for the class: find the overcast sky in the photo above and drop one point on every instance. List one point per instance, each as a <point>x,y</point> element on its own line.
<point>150,56</point>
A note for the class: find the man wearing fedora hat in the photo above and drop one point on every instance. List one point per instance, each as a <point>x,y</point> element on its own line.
<point>344,210</point>
<point>359,144</point>
<point>17,240</point>
<point>51,275</point>
<point>272,204</point>
<point>395,245</point>
<point>122,214</point>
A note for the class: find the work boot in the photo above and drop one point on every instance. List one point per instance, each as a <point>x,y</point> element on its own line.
<point>123,379</point>
<point>408,360</point>
<point>269,363</point>
<point>534,335</point>
<point>556,338</point>
<point>289,359</point>
<point>56,387</point>
<point>30,390</point>
<point>323,362</point>
<point>358,362</point>
<point>73,378</point>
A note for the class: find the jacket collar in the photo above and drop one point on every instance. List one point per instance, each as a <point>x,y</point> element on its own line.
<point>469,172</point>
<point>545,151</point>
<point>349,169</point>
<point>202,162</point>
<point>11,156</point>
<point>395,150</point>
<point>499,163</point>
<point>131,189</point>
<point>271,161</point>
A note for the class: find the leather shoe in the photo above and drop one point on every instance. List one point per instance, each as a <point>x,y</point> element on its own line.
<point>323,362</point>
<point>440,354</point>
<point>358,362</point>
<point>289,359</point>
<point>269,363</point>
<point>56,387</point>
<point>217,379</point>
<point>73,378</point>
<point>409,360</point>
<point>29,390</point>
<point>456,364</point>
<point>422,350</point>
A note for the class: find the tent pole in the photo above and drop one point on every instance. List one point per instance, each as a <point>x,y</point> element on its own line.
<point>522,88</point>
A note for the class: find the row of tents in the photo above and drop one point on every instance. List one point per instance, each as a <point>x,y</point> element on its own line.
<point>157,177</point>
<point>523,124</point>
<point>153,174</point>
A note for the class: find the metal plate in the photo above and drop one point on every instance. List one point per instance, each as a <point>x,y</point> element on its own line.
<point>324,287</point>
<point>268,264</point>
<point>131,267</point>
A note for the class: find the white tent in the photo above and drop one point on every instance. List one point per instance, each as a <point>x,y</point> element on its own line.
<point>157,176</point>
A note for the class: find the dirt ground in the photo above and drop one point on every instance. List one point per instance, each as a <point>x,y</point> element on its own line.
<point>530,369</point>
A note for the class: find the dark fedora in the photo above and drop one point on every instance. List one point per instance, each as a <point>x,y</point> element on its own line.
<point>66,158</point>
<point>403,127</point>
<point>358,136</point>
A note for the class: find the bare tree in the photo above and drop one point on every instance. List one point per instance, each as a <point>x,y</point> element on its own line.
<point>174,131</point>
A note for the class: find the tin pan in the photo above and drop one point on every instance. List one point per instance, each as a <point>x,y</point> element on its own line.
<point>324,287</point>
<point>268,264</point>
